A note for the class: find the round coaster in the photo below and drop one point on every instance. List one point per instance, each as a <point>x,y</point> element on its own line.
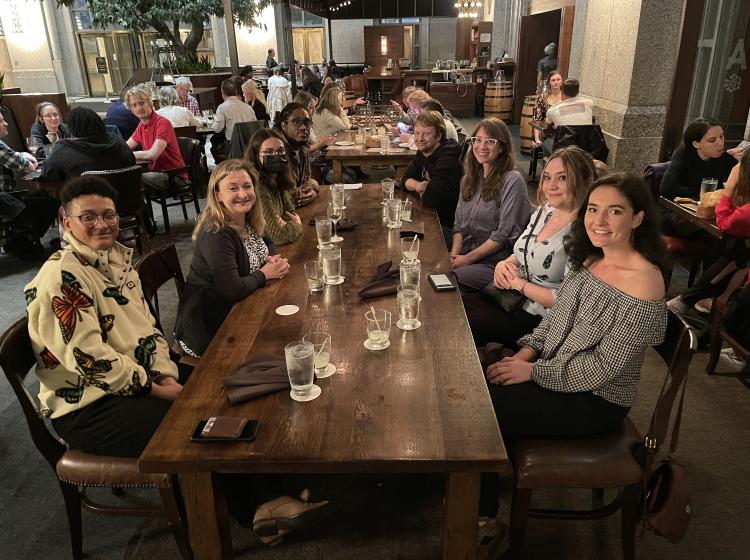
<point>335,282</point>
<point>401,326</point>
<point>328,372</point>
<point>287,310</point>
<point>337,239</point>
<point>369,345</point>
<point>312,395</point>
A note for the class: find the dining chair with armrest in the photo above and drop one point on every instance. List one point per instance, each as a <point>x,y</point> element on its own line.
<point>618,460</point>
<point>76,470</point>
<point>719,334</point>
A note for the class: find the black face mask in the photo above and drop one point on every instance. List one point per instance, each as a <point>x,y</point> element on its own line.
<point>275,164</point>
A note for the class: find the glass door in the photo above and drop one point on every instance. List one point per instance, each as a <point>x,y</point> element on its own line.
<point>121,59</point>
<point>95,60</point>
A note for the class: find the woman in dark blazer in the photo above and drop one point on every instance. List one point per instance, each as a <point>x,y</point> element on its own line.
<point>47,129</point>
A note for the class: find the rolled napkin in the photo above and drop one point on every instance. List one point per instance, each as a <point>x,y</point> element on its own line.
<point>384,283</point>
<point>411,229</point>
<point>260,375</point>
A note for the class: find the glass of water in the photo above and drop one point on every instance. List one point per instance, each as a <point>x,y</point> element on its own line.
<point>321,342</point>
<point>338,194</point>
<point>378,329</point>
<point>410,248</point>
<point>406,210</point>
<point>388,186</point>
<point>408,307</point>
<point>410,273</point>
<point>709,185</point>
<point>385,144</point>
<point>323,227</point>
<point>314,275</point>
<point>299,365</point>
<point>331,255</point>
<point>393,210</point>
<point>335,213</point>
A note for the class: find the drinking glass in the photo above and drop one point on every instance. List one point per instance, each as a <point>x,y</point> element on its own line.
<point>314,275</point>
<point>708,185</point>
<point>321,342</point>
<point>359,137</point>
<point>393,207</point>
<point>388,186</point>
<point>378,329</point>
<point>323,230</point>
<point>338,195</point>
<point>335,214</point>
<point>332,264</point>
<point>406,210</point>
<point>300,368</point>
<point>408,307</point>
<point>410,273</point>
<point>385,144</point>
<point>410,248</point>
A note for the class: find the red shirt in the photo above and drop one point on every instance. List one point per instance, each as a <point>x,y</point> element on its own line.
<point>159,128</point>
<point>734,221</point>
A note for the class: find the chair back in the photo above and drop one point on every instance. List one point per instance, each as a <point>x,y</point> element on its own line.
<point>241,136</point>
<point>186,132</point>
<point>156,268</point>
<point>113,130</point>
<point>190,150</point>
<point>588,137</point>
<point>356,83</point>
<point>127,183</point>
<point>17,358</point>
<point>653,174</point>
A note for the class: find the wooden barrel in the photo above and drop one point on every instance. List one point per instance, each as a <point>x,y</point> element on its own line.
<point>526,132</point>
<point>498,100</point>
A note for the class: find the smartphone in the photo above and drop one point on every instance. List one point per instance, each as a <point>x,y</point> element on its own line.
<point>248,433</point>
<point>441,282</point>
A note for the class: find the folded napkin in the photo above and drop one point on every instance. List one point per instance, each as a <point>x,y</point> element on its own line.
<point>411,229</point>
<point>260,375</point>
<point>384,283</point>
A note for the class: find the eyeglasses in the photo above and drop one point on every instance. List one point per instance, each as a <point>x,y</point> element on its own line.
<point>477,141</point>
<point>300,122</point>
<point>51,116</point>
<point>278,152</point>
<point>90,219</point>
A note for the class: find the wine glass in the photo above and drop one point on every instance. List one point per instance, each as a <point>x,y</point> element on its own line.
<point>335,213</point>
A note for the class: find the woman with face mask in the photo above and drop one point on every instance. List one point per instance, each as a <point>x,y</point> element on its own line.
<point>267,153</point>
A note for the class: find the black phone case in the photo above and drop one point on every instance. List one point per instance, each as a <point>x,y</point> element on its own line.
<point>248,433</point>
<point>440,288</point>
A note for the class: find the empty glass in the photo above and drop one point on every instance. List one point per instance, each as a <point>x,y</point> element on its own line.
<point>393,209</point>
<point>335,213</point>
<point>385,144</point>
<point>314,275</point>
<point>338,195</point>
<point>331,255</point>
<point>408,307</point>
<point>388,186</point>
<point>299,365</point>
<point>323,226</point>
<point>378,329</point>
<point>321,342</point>
<point>410,248</point>
<point>406,210</point>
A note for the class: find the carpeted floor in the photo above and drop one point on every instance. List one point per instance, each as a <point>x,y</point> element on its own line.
<point>374,517</point>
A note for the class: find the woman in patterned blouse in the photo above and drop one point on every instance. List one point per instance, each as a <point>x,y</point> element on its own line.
<point>577,374</point>
<point>551,95</point>
<point>231,258</point>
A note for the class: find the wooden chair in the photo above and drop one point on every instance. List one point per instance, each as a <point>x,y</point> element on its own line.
<point>719,334</point>
<point>76,470</point>
<point>608,461</point>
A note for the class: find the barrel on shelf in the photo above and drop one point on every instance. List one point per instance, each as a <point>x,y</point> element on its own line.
<point>526,132</point>
<point>498,100</point>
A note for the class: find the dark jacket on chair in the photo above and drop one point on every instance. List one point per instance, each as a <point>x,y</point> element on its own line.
<point>71,157</point>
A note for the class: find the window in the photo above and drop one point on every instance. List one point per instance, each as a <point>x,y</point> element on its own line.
<point>82,15</point>
<point>301,18</point>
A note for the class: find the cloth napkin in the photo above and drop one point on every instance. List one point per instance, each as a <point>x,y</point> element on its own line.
<point>384,283</point>
<point>260,375</point>
<point>411,229</point>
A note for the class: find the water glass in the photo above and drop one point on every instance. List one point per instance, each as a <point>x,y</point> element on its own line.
<point>410,273</point>
<point>378,329</point>
<point>335,213</point>
<point>388,186</point>
<point>321,342</point>
<point>323,228</point>
<point>408,307</point>
<point>709,185</point>
<point>410,248</point>
<point>331,263</point>
<point>314,275</point>
<point>299,365</point>
<point>406,210</point>
<point>385,144</point>
<point>393,208</point>
<point>338,195</point>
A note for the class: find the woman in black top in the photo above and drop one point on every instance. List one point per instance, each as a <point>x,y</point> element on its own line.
<point>231,258</point>
<point>47,129</point>
<point>255,98</point>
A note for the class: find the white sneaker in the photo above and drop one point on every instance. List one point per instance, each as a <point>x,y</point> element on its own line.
<point>704,306</point>
<point>677,305</point>
<point>729,359</point>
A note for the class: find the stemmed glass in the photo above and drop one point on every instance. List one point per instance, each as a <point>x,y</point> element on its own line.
<point>335,213</point>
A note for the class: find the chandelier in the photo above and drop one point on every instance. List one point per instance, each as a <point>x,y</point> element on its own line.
<point>468,9</point>
<point>338,5</point>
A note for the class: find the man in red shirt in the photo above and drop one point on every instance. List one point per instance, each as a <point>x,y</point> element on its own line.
<point>156,138</point>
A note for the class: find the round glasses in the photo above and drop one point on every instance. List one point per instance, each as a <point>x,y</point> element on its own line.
<point>278,152</point>
<point>90,219</point>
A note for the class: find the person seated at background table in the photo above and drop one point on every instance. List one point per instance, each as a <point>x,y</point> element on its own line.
<point>539,262</point>
<point>573,110</point>
<point>254,97</point>
<point>406,115</point>
<point>310,83</point>
<point>231,257</point>
<point>182,86</point>
<point>435,173</point>
<point>295,124</point>
<point>310,102</point>
<point>47,129</point>
<point>91,148</point>
<point>155,135</point>
<point>120,115</point>
<point>493,207</point>
<point>551,95</point>
<point>330,116</point>
<point>268,155</point>
<point>232,111</point>
<point>106,378</point>
<point>170,109</point>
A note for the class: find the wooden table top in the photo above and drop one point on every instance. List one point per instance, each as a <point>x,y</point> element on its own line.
<point>358,152</point>
<point>703,223</point>
<point>421,405</point>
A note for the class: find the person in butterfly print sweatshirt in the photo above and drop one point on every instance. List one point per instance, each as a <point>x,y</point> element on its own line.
<point>106,378</point>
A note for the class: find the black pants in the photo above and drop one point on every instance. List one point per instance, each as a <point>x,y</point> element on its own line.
<point>737,252</point>
<point>489,323</point>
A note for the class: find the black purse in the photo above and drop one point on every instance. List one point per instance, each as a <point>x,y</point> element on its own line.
<point>511,301</point>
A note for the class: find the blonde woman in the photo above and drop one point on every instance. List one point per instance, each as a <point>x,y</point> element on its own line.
<point>330,117</point>
<point>254,96</point>
<point>231,259</point>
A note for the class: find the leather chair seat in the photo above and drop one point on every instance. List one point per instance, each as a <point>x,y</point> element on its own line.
<point>675,245</point>
<point>84,469</point>
<point>588,462</point>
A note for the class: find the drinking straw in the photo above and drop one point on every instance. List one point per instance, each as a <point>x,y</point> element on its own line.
<point>375,318</point>
<point>413,241</point>
<point>322,347</point>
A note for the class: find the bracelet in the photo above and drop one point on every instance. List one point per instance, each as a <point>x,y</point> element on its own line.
<point>523,288</point>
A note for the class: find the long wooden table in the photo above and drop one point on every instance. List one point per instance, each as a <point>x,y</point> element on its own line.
<point>355,155</point>
<point>421,405</point>
<point>703,223</point>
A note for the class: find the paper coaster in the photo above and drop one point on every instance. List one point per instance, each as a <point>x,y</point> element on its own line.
<point>287,310</point>
<point>335,282</point>
<point>312,395</point>
<point>414,327</point>
<point>370,346</point>
<point>328,372</point>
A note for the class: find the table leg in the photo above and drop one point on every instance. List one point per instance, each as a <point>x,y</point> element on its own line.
<point>461,516</point>
<point>207,516</point>
<point>338,171</point>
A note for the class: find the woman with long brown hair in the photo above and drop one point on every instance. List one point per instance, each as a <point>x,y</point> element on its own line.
<point>330,117</point>
<point>493,208</point>
<point>544,100</point>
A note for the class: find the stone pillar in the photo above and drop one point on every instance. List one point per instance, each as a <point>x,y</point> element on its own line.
<point>506,19</point>
<point>626,65</point>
